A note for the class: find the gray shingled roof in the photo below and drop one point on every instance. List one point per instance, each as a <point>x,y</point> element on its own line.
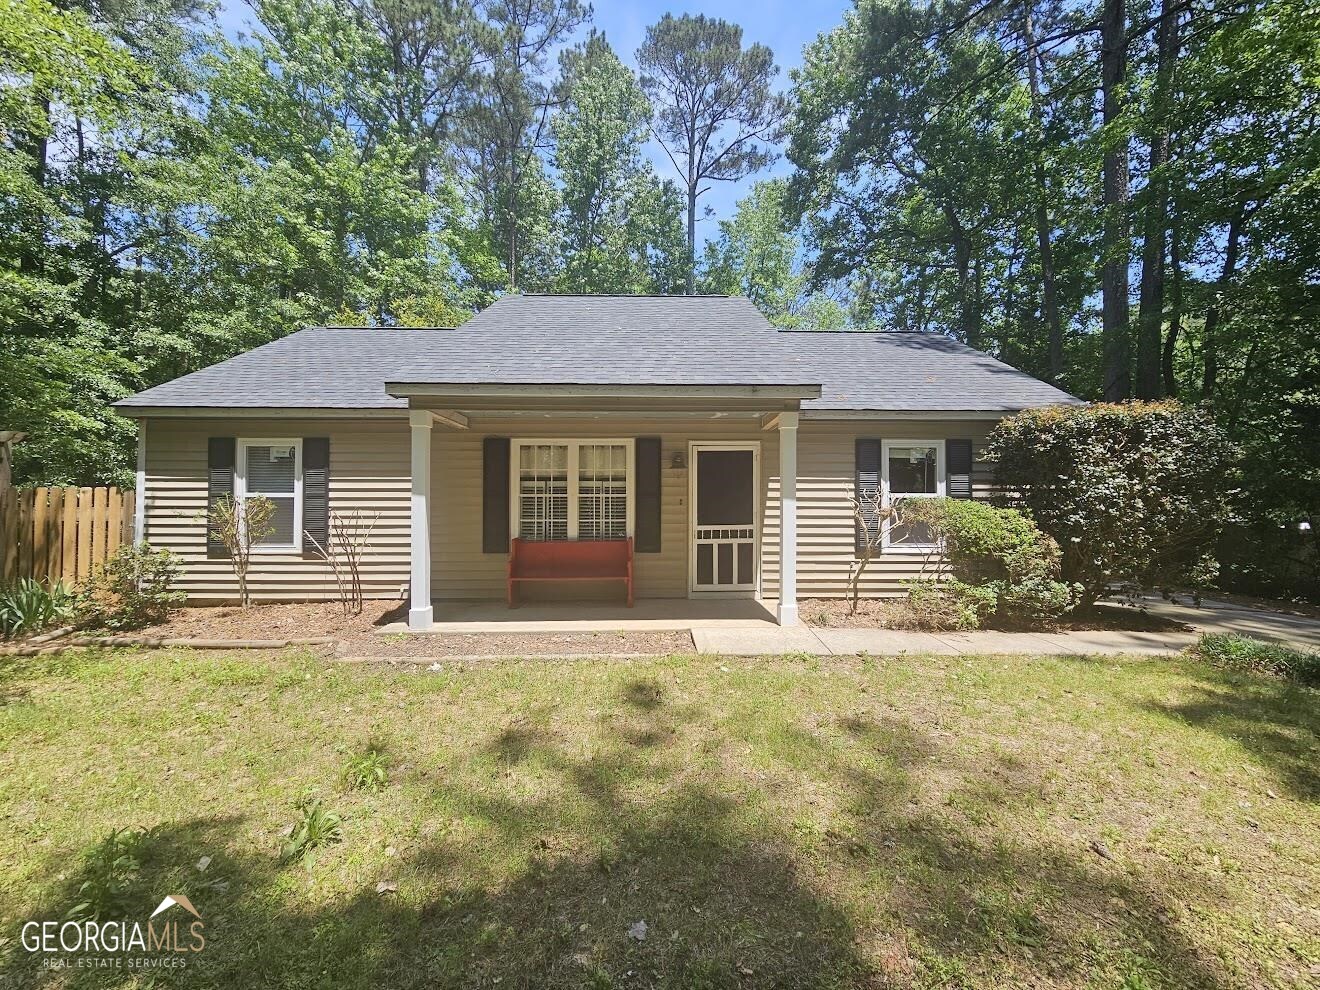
<point>607,340</point>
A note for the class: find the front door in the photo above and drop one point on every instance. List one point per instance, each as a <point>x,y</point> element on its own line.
<point>723,500</point>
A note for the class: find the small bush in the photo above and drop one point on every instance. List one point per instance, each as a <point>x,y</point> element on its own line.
<point>134,588</point>
<point>1245,653</point>
<point>27,607</point>
<point>945,604</point>
<point>996,565</point>
<point>315,828</point>
<point>369,770</point>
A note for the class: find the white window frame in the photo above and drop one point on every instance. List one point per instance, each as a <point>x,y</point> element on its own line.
<point>941,479</point>
<point>574,477</point>
<point>241,492</point>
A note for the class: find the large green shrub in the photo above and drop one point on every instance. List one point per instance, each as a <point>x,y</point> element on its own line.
<point>133,588</point>
<point>995,564</point>
<point>1135,494</point>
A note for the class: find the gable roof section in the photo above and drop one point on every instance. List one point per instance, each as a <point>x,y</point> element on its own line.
<point>607,341</point>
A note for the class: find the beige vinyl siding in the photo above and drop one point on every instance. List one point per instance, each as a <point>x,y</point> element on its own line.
<point>826,473</point>
<point>460,570</point>
<point>369,472</point>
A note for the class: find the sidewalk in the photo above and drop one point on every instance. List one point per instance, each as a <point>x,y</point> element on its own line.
<point>889,642</point>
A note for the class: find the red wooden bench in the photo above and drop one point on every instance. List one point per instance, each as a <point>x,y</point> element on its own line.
<point>570,560</point>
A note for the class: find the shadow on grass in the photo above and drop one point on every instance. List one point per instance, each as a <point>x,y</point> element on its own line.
<point>1276,721</point>
<point>893,893</point>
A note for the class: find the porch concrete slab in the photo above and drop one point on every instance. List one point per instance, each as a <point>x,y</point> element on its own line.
<point>651,614</point>
<point>749,642</point>
<point>882,642</point>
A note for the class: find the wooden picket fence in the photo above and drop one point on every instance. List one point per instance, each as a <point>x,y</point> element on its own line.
<point>61,534</point>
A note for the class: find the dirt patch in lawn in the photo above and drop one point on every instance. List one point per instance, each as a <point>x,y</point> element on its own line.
<point>404,646</point>
<point>894,613</point>
<point>359,635</point>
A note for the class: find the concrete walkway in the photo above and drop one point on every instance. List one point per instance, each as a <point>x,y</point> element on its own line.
<point>1210,616</point>
<point>889,642</point>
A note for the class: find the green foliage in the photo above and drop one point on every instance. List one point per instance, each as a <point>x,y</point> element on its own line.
<point>111,867</point>
<point>618,222</point>
<point>368,770</point>
<point>315,828</point>
<point>27,607</point>
<point>1135,494</point>
<point>1245,653</point>
<point>134,588</point>
<point>758,255</point>
<point>999,565</point>
<point>948,605</point>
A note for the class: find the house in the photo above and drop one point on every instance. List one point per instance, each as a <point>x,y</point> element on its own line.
<point>727,450</point>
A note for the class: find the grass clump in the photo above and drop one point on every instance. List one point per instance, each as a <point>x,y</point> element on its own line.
<point>316,827</point>
<point>1245,653</point>
<point>111,866</point>
<point>368,770</point>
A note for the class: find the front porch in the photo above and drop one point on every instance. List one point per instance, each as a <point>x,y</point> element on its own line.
<point>703,482</point>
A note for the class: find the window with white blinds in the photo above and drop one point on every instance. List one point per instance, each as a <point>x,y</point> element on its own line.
<point>272,469</point>
<point>572,489</point>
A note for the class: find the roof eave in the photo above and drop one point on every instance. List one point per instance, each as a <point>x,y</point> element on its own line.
<point>405,390</point>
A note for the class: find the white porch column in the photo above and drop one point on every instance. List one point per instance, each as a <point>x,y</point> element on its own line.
<point>140,486</point>
<point>788,433</point>
<point>420,614</point>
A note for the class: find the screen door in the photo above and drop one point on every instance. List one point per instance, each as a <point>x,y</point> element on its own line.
<point>724,518</point>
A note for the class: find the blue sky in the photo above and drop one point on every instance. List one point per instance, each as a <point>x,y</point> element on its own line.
<point>784,25</point>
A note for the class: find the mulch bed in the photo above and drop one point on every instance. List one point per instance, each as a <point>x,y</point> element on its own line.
<point>359,635</point>
<point>893,613</point>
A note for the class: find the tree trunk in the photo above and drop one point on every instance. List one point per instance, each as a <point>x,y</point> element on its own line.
<point>37,147</point>
<point>1175,306</point>
<point>1049,303</point>
<point>1210,349</point>
<point>1150,319</point>
<point>1115,327</point>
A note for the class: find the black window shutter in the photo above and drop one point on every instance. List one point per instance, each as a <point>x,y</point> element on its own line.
<point>219,485</point>
<point>959,455</point>
<point>316,494</point>
<point>495,495</point>
<point>866,487</point>
<point>646,460</point>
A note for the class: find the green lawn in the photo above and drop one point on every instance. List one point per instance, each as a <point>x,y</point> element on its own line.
<point>924,822</point>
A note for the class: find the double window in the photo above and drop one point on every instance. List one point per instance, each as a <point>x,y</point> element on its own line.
<point>272,469</point>
<point>572,489</point>
<point>909,469</point>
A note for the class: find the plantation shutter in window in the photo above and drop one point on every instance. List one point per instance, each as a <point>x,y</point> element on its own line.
<point>495,495</point>
<point>646,463</point>
<point>959,455</point>
<point>220,453</point>
<point>316,494</point>
<point>866,489</point>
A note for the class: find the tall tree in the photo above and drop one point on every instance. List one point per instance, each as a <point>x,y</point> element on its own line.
<point>1154,250</point>
<point>619,224</point>
<point>716,112</point>
<point>508,131</point>
<point>1116,247</point>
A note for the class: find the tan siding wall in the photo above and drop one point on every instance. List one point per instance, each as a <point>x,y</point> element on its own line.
<point>459,568</point>
<point>825,516</point>
<point>369,471</point>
